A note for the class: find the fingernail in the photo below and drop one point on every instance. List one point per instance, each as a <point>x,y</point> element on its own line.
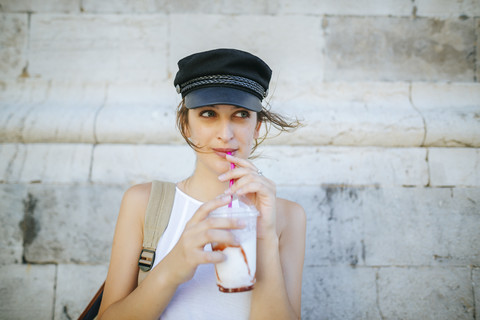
<point>221,177</point>
<point>228,192</point>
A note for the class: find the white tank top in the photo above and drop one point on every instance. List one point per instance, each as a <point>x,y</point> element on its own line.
<point>198,298</point>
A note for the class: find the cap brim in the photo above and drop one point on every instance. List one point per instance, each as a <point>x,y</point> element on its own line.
<point>222,95</point>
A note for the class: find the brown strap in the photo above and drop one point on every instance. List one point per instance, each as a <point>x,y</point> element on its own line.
<point>158,212</point>
<point>91,310</point>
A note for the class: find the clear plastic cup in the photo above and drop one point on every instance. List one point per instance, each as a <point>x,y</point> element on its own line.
<point>237,272</point>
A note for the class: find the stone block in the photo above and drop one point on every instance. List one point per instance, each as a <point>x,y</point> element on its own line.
<point>389,226</point>
<point>186,6</point>
<point>446,8</point>
<point>66,114</point>
<point>339,292</point>
<point>76,286</point>
<point>12,208</point>
<point>334,233</point>
<point>454,166</point>
<point>35,163</point>
<point>72,224</point>
<point>98,47</point>
<point>296,58</point>
<point>394,49</point>
<point>129,164</point>
<point>345,7</point>
<point>420,226</point>
<point>425,293</point>
<point>349,114</point>
<point>451,112</point>
<point>27,291</point>
<point>119,6</point>
<point>139,114</point>
<point>13,44</point>
<point>343,165</point>
<point>15,92</point>
<point>476,290</point>
<point>477,59</point>
<point>71,6</point>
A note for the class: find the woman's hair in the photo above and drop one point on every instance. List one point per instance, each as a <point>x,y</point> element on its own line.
<point>265,116</point>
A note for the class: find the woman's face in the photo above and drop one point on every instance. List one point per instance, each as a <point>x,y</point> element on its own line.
<point>219,129</point>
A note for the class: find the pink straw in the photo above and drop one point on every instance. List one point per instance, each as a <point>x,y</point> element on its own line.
<point>232,166</point>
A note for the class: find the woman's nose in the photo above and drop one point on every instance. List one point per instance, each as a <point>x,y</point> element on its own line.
<point>225,131</point>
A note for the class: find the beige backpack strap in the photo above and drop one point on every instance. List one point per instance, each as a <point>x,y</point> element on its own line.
<point>158,212</point>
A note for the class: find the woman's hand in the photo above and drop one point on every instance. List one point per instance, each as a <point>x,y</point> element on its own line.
<point>258,189</point>
<point>200,230</point>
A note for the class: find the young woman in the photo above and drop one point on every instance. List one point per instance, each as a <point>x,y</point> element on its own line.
<point>221,113</point>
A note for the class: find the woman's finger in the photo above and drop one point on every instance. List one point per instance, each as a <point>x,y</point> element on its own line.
<point>205,209</point>
<point>240,162</point>
<point>236,174</point>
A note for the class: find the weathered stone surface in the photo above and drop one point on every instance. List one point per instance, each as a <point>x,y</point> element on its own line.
<point>129,164</point>
<point>40,6</point>
<point>185,6</point>
<point>350,114</point>
<point>72,223</point>
<point>425,293</point>
<point>342,165</point>
<point>420,226</point>
<point>476,290</point>
<point>335,234</point>
<point>63,163</point>
<point>389,226</point>
<point>477,60</point>
<point>296,58</point>
<point>98,47</point>
<point>454,166</point>
<point>76,286</point>
<point>13,44</point>
<point>12,211</point>
<point>451,113</point>
<point>393,49</point>
<point>339,292</point>
<point>27,291</point>
<point>446,8</point>
<point>66,114</point>
<point>139,114</point>
<point>345,7</point>
<point>14,92</point>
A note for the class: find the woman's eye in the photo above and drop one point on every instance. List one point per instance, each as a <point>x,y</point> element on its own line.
<point>243,114</point>
<point>207,114</point>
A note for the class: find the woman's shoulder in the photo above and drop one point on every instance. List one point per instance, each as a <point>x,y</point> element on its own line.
<point>289,208</point>
<point>138,193</point>
<point>290,216</point>
<point>135,200</point>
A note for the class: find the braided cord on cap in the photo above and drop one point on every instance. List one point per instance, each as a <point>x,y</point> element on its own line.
<point>227,80</point>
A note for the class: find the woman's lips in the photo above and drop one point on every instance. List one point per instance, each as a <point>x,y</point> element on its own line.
<point>222,152</point>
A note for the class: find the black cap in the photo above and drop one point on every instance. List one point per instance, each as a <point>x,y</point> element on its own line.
<point>223,76</point>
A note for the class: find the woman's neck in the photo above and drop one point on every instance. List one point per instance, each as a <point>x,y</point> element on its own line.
<point>203,185</point>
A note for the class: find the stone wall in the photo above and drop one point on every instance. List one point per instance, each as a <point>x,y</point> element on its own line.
<point>387,165</point>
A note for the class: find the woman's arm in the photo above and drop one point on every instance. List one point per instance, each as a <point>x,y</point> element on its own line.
<point>281,244</point>
<point>277,293</point>
<point>122,298</point>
